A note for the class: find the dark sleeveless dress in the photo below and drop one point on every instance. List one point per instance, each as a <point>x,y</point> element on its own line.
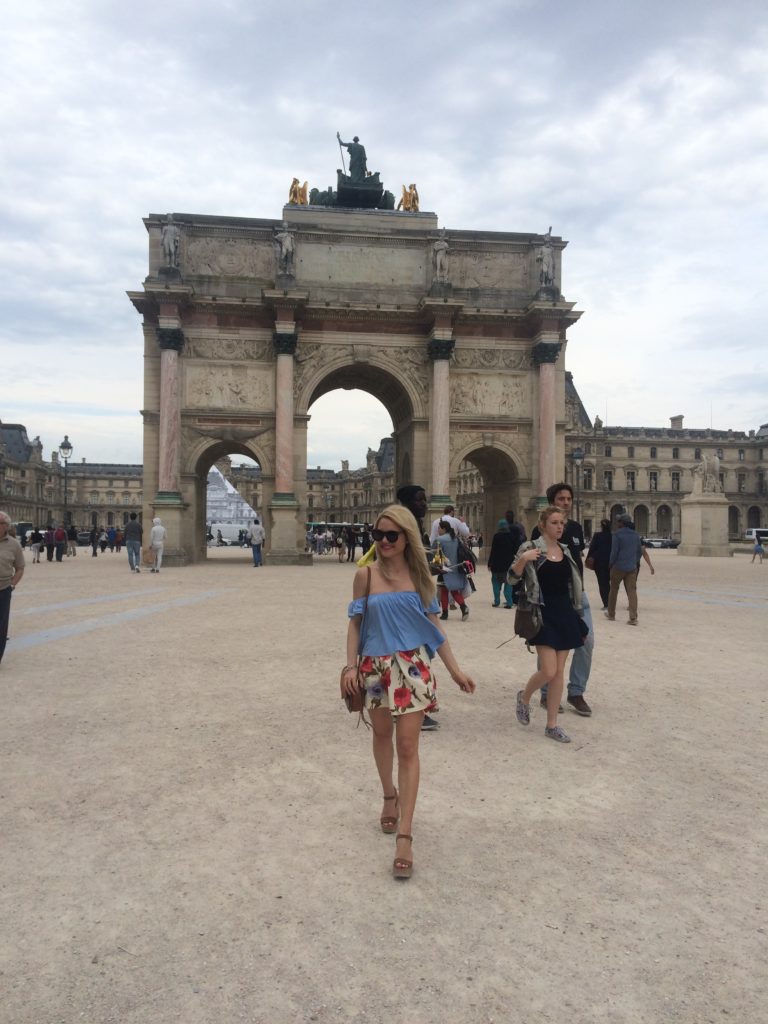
<point>563,628</point>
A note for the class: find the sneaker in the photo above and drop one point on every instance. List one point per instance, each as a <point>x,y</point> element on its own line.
<point>543,703</point>
<point>632,622</point>
<point>429,724</point>
<point>138,569</point>
<point>464,613</point>
<point>611,618</point>
<point>579,705</point>
<point>522,710</point>
<point>444,616</point>
<point>509,606</point>
<point>557,734</point>
<point>452,607</point>
<point>495,604</point>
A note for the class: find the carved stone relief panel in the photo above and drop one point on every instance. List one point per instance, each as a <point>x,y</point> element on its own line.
<point>227,387</point>
<point>487,358</point>
<point>362,264</point>
<point>504,270</point>
<point>229,257</point>
<point>489,395</point>
<point>228,348</point>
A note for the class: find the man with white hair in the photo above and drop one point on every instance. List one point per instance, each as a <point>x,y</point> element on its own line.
<point>11,571</point>
<point>460,528</point>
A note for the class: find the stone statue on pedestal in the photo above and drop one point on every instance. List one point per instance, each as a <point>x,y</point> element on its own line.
<point>169,239</point>
<point>440,252</point>
<point>706,476</point>
<point>546,258</point>
<point>285,250</point>
<point>358,163</point>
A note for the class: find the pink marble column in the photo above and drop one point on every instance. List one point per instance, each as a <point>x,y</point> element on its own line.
<point>440,351</point>
<point>285,345</point>
<point>171,341</point>
<point>545,357</point>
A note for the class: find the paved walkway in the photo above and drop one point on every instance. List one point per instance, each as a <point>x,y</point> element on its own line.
<point>189,816</point>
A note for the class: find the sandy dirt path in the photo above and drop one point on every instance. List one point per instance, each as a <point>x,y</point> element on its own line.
<point>189,816</point>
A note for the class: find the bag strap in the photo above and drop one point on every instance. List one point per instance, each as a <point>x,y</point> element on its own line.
<point>361,716</point>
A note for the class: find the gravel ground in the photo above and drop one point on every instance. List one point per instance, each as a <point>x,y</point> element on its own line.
<point>190,817</point>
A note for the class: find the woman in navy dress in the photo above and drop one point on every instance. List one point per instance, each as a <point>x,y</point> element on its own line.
<point>400,637</point>
<point>552,580</point>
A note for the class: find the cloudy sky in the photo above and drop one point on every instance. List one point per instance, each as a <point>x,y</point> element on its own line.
<point>639,130</point>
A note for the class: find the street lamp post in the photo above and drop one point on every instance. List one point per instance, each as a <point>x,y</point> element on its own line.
<point>65,454</point>
<point>577,458</point>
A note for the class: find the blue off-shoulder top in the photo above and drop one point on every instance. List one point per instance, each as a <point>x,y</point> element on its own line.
<point>397,621</point>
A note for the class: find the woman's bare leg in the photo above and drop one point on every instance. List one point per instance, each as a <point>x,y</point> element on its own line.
<point>547,668</point>
<point>555,688</point>
<point>408,731</point>
<point>384,755</point>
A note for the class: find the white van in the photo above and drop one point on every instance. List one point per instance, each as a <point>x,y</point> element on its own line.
<point>757,533</point>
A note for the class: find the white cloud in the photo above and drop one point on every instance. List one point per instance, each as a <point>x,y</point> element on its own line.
<point>638,131</point>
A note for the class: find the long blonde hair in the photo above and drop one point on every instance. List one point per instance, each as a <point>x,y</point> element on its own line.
<point>415,555</point>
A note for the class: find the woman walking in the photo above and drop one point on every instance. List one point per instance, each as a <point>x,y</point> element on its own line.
<point>600,554</point>
<point>157,542</point>
<point>500,558</point>
<point>552,581</point>
<point>398,639</point>
<point>453,581</point>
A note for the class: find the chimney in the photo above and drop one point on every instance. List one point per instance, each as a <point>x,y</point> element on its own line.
<point>676,422</point>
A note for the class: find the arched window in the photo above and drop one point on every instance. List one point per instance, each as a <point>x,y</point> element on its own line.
<point>753,517</point>
<point>664,521</point>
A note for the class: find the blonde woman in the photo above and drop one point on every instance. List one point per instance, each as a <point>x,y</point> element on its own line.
<point>552,580</point>
<point>400,636</point>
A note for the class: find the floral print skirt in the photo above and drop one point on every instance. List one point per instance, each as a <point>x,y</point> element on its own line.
<point>401,682</point>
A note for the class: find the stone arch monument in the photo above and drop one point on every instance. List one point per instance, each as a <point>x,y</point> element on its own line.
<point>247,322</point>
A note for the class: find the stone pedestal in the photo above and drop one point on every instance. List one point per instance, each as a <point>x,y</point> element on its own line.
<point>704,525</point>
<point>171,510</point>
<point>282,541</point>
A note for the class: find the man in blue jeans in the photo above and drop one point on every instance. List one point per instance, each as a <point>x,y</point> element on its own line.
<point>257,535</point>
<point>133,534</point>
<point>561,496</point>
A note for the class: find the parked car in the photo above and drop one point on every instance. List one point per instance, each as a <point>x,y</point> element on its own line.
<point>660,542</point>
<point>84,538</point>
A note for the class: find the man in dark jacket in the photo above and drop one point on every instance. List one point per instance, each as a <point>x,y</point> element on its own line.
<point>626,552</point>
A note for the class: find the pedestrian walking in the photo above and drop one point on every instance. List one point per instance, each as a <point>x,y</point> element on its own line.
<point>453,579</point>
<point>552,581</point>
<point>599,558</point>
<point>72,541</point>
<point>157,536</point>
<point>626,552</point>
<point>393,629</point>
<point>256,537</point>
<point>134,534</point>
<point>501,556</point>
<point>758,551</point>
<point>36,540</point>
<point>11,571</point>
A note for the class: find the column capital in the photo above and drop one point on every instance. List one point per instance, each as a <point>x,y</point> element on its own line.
<point>546,352</point>
<point>285,343</point>
<point>440,348</point>
<point>170,338</point>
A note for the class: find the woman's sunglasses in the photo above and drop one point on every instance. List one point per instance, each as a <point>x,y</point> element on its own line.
<point>390,536</point>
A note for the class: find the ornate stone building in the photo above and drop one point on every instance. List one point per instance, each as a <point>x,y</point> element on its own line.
<point>101,494</point>
<point>647,471</point>
<point>247,322</point>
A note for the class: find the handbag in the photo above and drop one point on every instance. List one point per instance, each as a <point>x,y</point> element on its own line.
<point>355,701</point>
<point>528,617</point>
<point>528,621</point>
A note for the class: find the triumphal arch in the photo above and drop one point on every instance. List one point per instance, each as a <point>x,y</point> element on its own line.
<point>460,334</point>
